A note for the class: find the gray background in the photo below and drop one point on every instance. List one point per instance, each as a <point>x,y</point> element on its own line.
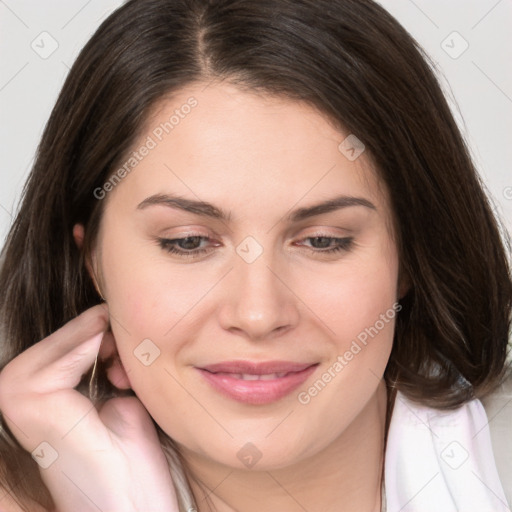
<point>39,40</point>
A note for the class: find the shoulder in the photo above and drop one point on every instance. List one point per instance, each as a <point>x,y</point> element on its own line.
<point>498,407</point>
<point>9,504</point>
<point>460,444</point>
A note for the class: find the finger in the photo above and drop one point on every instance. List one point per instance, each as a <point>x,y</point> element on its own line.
<point>66,372</point>
<point>54,363</point>
<point>81,328</point>
<point>40,402</point>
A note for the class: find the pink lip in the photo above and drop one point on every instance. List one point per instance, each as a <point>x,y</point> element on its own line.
<point>256,391</point>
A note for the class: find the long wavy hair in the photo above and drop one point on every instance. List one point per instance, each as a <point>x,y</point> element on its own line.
<point>359,67</point>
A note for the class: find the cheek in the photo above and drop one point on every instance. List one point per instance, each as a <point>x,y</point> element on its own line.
<point>151,304</point>
<point>358,313</point>
<point>146,291</point>
<point>152,298</point>
<point>352,296</point>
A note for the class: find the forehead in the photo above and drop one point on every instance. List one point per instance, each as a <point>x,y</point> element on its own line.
<point>240,149</point>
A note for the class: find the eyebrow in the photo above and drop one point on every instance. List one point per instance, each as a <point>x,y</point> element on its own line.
<point>209,210</point>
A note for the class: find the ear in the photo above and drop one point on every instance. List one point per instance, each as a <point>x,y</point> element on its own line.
<point>78,235</point>
<point>404,284</point>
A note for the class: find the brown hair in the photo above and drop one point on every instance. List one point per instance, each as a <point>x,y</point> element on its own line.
<point>358,66</point>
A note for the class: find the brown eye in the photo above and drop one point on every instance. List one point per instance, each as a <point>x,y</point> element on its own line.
<point>187,246</point>
<point>324,244</point>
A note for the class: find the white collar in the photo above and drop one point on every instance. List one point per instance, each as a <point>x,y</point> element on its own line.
<point>440,461</point>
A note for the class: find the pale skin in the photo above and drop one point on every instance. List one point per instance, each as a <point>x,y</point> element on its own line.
<point>258,158</point>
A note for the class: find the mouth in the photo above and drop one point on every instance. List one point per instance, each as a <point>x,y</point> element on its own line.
<point>256,383</point>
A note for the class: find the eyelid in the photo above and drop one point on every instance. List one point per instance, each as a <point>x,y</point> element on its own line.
<point>320,233</point>
<point>341,244</point>
<point>324,230</point>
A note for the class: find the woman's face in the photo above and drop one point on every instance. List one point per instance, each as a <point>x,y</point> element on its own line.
<point>254,281</point>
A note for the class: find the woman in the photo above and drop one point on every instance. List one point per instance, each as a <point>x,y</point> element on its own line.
<point>303,290</point>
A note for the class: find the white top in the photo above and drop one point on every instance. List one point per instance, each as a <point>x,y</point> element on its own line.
<point>444,461</point>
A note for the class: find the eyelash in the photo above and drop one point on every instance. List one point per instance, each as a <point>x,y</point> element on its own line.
<point>168,245</point>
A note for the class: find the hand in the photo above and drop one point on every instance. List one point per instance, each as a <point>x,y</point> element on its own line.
<point>109,460</point>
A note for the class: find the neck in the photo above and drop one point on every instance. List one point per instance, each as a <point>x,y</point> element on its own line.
<point>345,476</point>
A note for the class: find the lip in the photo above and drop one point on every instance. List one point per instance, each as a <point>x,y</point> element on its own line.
<point>223,377</point>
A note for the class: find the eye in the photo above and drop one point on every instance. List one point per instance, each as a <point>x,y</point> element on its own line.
<point>190,246</point>
<point>187,246</point>
<point>324,244</point>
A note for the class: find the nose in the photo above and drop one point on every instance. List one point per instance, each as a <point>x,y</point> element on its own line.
<point>259,303</point>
